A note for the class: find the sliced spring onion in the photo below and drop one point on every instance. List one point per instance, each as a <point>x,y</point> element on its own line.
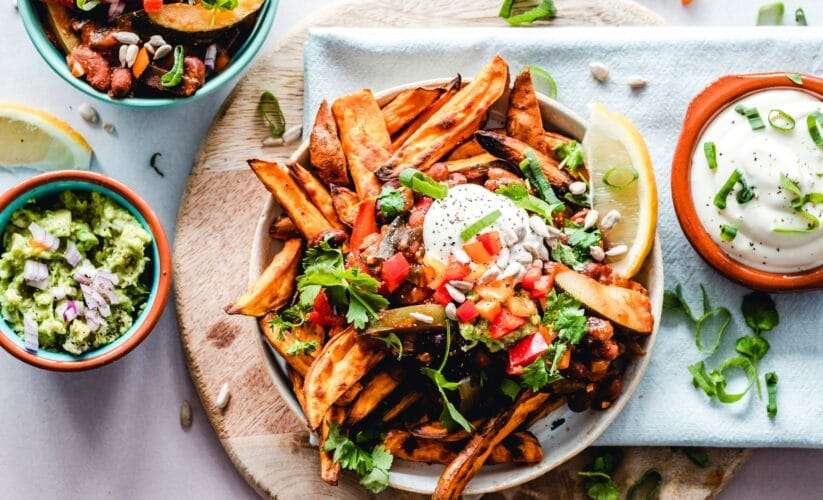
<point>480,224</point>
<point>710,150</point>
<point>771,389</point>
<point>814,121</point>
<point>800,17</point>
<point>175,74</point>
<point>726,188</point>
<point>620,177</point>
<point>544,10</point>
<point>421,183</point>
<point>543,81</point>
<point>812,223</point>
<point>727,232</point>
<point>770,14</point>
<point>720,379</point>
<point>506,9</point>
<point>751,114</point>
<point>795,77</point>
<point>269,109</point>
<point>87,5</point>
<point>794,188</point>
<point>531,167</point>
<point>815,198</point>
<point>781,120</point>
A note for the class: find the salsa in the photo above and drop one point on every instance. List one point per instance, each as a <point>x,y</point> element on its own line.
<point>74,272</point>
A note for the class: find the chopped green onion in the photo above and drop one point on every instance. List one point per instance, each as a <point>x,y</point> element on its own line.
<point>797,204</point>
<point>794,188</point>
<point>795,77</point>
<point>814,121</point>
<point>544,10</point>
<point>726,188</point>
<point>770,14</point>
<point>745,194</point>
<point>781,120</point>
<point>815,198</point>
<point>506,9</point>
<point>620,177</point>
<point>710,150</point>
<point>421,183</point>
<point>771,389</point>
<point>479,225</point>
<point>812,224</point>
<point>87,5</point>
<point>752,115</point>
<point>531,167</point>
<point>269,109</point>
<point>727,232</point>
<point>175,74</point>
<point>543,81</point>
<point>720,379</point>
<point>800,17</point>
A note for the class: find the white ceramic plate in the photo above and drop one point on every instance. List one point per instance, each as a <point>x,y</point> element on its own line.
<point>579,429</point>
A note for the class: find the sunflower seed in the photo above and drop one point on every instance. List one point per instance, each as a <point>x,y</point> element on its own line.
<point>270,142</point>
<point>538,225</point>
<point>122,54</point>
<point>149,48</point>
<point>223,396</point>
<point>126,37</point>
<point>455,294</point>
<point>109,127</point>
<point>503,259</point>
<point>463,286</point>
<point>522,256</point>
<point>609,220</point>
<point>591,219</point>
<point>131,55</point>
<point>555,232</point>
<point>185,415</point>
<point>451,311</point>
<point>599,71</point>
<point>461,256</point>
<point>77,69</point>
<point>597,253</point>
<point>293,135</point>
<point>423,318</point>
<point>636,82</point>
<point>577,188</point>
<point>509,238</point>
<point>511,270</point>
<point>88,113</point>
<point>617,250</point>
<point>156,41</point>
<point>161,52</point>
<point>490,274</point>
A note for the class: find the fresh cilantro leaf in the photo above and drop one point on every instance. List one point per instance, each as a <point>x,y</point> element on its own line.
<point>600,486</point>
<point>760,312</point>
<point>580,240</point>
<point>753,347</point>
<point>439,379</point>
<point>520,196</point>
<point>291,317</point>
<point>510,388</point>
<point>298,347</point>
<point>378,478</point>
<point>450,416</point>
<point>571,325</point>
<point>536,376</point>
<point>571,156</point>
<point>555,303</point>
<point>394,343</point>
<point>322,254</point>
<point>565,254</point>
<point>373,467</point>
<point>391,202</point>
<point>647,486</point>
<point>344,287</point>
<point>605,463</point>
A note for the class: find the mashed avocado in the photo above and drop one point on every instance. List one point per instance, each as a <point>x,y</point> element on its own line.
<point>91,296</point>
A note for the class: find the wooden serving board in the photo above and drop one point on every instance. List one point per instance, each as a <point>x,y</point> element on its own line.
<point>215,227</point>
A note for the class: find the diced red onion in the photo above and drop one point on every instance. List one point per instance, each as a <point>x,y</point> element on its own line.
<point>210,57</point>
<point>30,336</point>
<point>43,237</point>
<point>92,297</point>
<point>40,284</point>
<point>107,275</point>
<point>72,254</point>
<point>60,292</point>
<point>85,273</point>
<point>104,309</point>
<point>68,310</point>
<point>35,271</point>
<point>116,7</point>
<point>93,319</point>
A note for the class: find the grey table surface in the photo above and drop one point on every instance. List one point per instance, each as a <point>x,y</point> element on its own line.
<point>114,432</point>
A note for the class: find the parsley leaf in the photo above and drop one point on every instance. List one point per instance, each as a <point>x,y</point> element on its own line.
<point>599,484</point>
<point>373,467</point>
<point>291,317</point>
<point>378,478</point>
<point>753,347</point>
<point>570,325</point>
<point>391,202</point>
<point>344,287</point>
<point>298,347</point>
<point>571,156</point>
<point>536,376</point>
<point>394,343</point>
<point>760,312</point>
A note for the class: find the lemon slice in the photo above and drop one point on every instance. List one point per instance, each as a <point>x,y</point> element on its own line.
<point>622,179</point>
<point>36,139</point>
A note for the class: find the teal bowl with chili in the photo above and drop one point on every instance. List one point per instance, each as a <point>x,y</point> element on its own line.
<point>56,60</point>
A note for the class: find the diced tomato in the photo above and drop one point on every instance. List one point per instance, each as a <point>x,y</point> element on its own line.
<point>488,309</point>
<point>522,306</point>
<point>365,223</point>
<point>467,312</point>
<point>526,350</point>
<point>477,252</point>
<point>533,274</point>
<point>542,286</point>
<point>395,271</point>
<point>505,323</point>
<point>418,212</point>
<point>152,5</point>
<point>322,313</point>
<point>491,242</point>
<point>441,296</point>
<point>453,271</point>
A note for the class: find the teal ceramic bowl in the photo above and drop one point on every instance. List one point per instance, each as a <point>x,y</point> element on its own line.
<point>51,184</point>
<point>57,60</point>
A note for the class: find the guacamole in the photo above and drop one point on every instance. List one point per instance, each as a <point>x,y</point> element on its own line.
<point>74,269</point>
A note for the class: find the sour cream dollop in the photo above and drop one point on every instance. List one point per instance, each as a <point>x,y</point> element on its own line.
<point>762,156</point>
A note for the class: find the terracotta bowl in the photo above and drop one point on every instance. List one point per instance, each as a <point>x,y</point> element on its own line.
<point>702,110</point>
<point>578,432</point>
<point>160,277</point>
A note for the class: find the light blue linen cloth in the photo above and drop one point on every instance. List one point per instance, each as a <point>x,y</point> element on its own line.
<point>678,63</point>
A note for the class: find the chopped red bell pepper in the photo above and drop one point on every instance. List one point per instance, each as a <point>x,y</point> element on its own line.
<point>467,312</point>
<point>322,313</point>
<point>505,323</point>
<point>365,223</point>
<point>441,296</point>
<point>491,242</point>
<point>525,352</point>
<point>152,5</point>
<point>395,271</point>
<point>542,286</point>
<point>454,271</point>
<point>533,273</point>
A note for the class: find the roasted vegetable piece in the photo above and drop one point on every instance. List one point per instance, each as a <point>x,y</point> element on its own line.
<point>451,90</point>
<point>282,228</point>
<point>459,472</point>
<point>523,120</point>
<point>274,287</point>
<point>401,321</point>
<point>349,396</point>
<point>472,167</point>
<point>325,149</point>
<point>514,152</point>
<point>452,124</point>
<point>196,21</point>
<point>466,150</point>
<point>628,308</point>
<point>405,402</point>
<point>408,105</point>
<point>329,469</point>
<point>364,137</point>
<point>317,193</point>
<point>520,447</point>
<point>308,218</point>
<point>59,21</point>
<point>297,385</point>
<point>437,431</point>
<point>375,391</point>
<point>281,341</point>
<point>343,361</point>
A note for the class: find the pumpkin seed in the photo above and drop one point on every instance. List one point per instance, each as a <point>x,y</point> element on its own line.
<point>636,82</point>
<point>185,415</point>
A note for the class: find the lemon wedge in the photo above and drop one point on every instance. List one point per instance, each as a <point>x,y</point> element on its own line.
<point>622,179</point>
<point>36,139</point>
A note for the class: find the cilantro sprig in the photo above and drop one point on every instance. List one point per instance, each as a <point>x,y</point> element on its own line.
<point>298,347</point>
<point>571,156</point>
<point>450,416</point>
<point>391,202</point>
<point>372,466</point>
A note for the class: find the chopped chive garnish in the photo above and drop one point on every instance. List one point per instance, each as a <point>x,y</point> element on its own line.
<point>419,182</point>
<point>781,120</point>
<point>795,77</point>
<point>814,121</point>
<point>727,232</point>
<point>543,81</point>
<point>771,389</point>
<point>620,177</point>
<point>480,224</point>
<point>752,115</point>
<point>710,150</point>
<point>800,17</point>
<point>770,14</point>
<point>726,188</point>
<point>812,223</point>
